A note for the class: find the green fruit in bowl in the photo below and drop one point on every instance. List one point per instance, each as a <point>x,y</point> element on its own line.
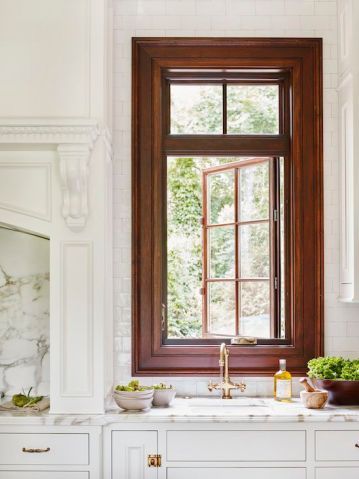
<point>132,387</point>
<point>25,400</point>
<point>161,386</point>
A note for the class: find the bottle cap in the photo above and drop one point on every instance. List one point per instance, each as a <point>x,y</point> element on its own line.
<point>283,364</point>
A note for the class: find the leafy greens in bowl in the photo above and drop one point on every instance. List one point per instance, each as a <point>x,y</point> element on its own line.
<point>338,376</point>
<point>334,368</point>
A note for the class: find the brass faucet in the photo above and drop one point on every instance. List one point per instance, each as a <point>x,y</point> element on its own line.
<point>226,384</point>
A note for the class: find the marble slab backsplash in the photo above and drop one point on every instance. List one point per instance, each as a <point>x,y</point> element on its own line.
<point>24,313</point>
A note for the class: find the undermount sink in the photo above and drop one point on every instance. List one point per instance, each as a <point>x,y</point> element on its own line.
<point>227,403</point>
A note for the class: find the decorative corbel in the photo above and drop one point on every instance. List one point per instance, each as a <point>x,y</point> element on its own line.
<point>74,172</point>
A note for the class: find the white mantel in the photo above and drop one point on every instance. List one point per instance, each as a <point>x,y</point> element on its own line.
<point>55,179</point>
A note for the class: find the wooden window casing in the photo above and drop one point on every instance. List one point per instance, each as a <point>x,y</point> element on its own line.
<point>295,64</point>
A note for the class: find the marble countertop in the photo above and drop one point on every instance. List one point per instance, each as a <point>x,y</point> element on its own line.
<point>195,410</point>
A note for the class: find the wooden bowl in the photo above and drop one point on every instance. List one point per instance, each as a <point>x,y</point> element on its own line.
<point>314,400</point>
<point>341,393</point>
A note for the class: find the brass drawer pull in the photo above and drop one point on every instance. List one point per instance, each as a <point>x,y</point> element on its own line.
<point>154,460</point>
<point>26,449</point>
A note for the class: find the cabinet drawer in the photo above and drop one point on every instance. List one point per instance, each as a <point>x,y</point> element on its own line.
<point>337,445</point>
<point>59,449</point>
<point>236,446</point>
<point>236,473</point>
<point>43,475</point>
<point>335,472</point>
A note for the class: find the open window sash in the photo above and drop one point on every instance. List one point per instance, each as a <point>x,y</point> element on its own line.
<point>242,249</point>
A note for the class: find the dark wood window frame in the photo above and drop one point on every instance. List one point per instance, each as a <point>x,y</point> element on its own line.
<point>157,60</point>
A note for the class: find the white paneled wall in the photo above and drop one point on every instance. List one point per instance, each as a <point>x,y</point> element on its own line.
<point>278,18</point>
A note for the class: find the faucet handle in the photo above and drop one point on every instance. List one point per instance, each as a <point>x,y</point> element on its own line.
<point>211,386</point>
<point>241,386</point>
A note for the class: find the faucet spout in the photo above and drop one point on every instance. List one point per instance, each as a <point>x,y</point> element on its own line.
<point>226,385</point>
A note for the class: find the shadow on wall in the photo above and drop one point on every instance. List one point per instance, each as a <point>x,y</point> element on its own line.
<point>24,312</point>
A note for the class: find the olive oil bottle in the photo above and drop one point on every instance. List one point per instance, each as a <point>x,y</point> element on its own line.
<point>283,383</point>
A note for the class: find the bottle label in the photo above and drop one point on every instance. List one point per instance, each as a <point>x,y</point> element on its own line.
<point>283,389</point>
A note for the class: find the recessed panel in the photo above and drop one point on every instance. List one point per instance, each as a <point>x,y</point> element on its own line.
<point>45,58</point>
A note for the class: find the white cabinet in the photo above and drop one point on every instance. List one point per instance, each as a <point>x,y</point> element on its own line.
<point>337,445</point>
<point>348,90</point>
<point>337,472</point>
<point>190,452</point>
<point>47,449</point>
<point>43,475</point>
<point>236,473</point>
<point>248,450</point>
<point>130,451</point>
<point>235,446</point>
<point>50,452</point>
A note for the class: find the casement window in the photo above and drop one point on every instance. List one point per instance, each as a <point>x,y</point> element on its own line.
<point>242,221</point>
<point>227,203</point>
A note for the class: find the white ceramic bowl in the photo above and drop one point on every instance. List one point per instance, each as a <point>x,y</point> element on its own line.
<point>135,394</point>
<point>163,397</point>
<point>133,404</point>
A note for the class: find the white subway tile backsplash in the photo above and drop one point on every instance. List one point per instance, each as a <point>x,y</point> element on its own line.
<point>325,8</point>
<point>242,7</point>
<point>301,7</point>
<point>236,18</point>
<point>270,7</point>
<point>180,7</point>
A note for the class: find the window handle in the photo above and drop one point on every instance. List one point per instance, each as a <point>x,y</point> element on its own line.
<point>163,317</point>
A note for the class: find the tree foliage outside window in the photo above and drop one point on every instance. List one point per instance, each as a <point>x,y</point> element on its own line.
<point>184,213</point>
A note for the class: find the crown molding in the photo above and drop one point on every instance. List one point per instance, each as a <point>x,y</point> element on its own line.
<point>47,132</point>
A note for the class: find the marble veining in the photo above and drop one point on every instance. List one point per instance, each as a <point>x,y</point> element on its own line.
<point>247,410</point>
<point>24,313</point>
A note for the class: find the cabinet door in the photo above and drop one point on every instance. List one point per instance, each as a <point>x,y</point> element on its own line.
<point>336,472</point>
<point>130,451</point>
<point>236,473</point>
<point>43,475</point>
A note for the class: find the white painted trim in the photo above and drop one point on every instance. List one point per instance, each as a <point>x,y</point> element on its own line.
<point>49,134</point>
<point>65,339</point>
<point>46,216</point>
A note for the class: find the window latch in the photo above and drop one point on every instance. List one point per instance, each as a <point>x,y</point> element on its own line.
<point>163,317</point>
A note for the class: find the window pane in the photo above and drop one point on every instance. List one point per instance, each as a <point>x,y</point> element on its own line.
<point>221,308</point>
<point>196,109</point>
<point>254,309</point>
<point>220,191</point>
<point>221,252</point>
<point>184,248</point>
<point>254,192</point>
<point>252,109</point>
<point>254,250</point>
